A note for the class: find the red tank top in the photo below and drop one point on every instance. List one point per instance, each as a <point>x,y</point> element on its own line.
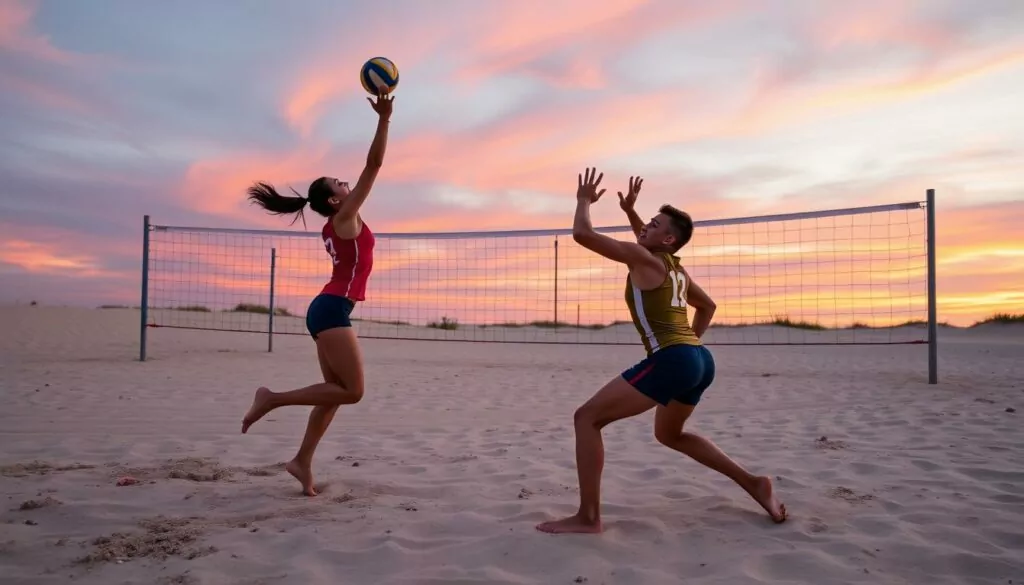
<point>352,259</point>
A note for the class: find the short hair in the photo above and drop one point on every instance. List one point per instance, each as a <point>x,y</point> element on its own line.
<point>682,225</point>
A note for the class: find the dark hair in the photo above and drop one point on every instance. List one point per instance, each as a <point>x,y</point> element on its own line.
<point>268,198</point>
<point>682,225</point>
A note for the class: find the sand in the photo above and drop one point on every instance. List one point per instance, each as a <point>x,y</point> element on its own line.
<point>459,449</point>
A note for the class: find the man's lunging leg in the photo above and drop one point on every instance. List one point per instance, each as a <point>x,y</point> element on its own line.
<point>589,465</point>
<point>617,400</point>
<point>668,430</point>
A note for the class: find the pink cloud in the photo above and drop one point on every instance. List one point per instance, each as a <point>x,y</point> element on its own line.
<point>331,74</point>
<point>878,23</point>
<point>536,141</point>
<point>16,34</point>
<point>537,149</point>
<point>307,102</point>
<point>516,40</point>
<point>947,56</point>
<point>217,185</point>
<point>41,94</point>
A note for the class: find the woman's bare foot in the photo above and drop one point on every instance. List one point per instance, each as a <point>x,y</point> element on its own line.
<point>572,525</point>
<point>764,493</point>
<point>260,407</point>
<point>303,473</point>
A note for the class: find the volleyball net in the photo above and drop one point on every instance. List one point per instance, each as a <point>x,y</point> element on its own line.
<point>844,276</point>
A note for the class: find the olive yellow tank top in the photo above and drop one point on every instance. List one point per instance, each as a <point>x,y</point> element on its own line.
<point>659,314</point>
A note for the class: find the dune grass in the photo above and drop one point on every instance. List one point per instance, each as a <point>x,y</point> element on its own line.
<point>379,322</point>
<point>193,309</point>
<point>549,324</point>
<point>260,310</point>
<point>785,321</point>
<point>445,323</point>
<point>1001,319</point>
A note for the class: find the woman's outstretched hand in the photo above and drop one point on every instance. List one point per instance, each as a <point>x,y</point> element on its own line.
<point>383,105</point>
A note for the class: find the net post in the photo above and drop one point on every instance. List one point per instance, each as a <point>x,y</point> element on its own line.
<point>144,306</point>
<point>270,316</point>
<point>556,283</point>
<point>933,325</point>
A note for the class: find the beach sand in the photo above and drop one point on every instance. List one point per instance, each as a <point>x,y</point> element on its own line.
<point>460,449</point>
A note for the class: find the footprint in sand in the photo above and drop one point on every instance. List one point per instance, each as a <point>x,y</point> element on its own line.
<point>38,468</point>
<point>197,469</point>
<point>162,538</point>
<point>36,504</point>
<point>824,442</point>
<point>845,493</point>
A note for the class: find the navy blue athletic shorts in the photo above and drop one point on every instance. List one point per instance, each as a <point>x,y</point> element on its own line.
<point>677,372</point>
<point>327,312</point>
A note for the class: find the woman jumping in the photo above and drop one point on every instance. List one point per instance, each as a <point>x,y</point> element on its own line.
<point>349,243</point>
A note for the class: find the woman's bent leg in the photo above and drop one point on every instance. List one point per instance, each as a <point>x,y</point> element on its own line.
<point>340,349</point>
<point>341,366</point>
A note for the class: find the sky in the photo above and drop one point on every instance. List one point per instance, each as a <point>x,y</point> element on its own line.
<point>114,110</point>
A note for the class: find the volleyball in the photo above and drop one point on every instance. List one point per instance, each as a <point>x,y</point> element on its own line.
<point>379,74</point>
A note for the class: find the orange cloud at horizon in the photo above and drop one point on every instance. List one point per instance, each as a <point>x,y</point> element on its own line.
<point>36,257</point>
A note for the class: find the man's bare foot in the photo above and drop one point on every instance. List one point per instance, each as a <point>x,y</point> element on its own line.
<point>303,473</point>
<point>572,525</point>
<point>260,404</point>
<point>764,493</point>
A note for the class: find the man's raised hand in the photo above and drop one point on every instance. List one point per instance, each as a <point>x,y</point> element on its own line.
<point>629,200</point>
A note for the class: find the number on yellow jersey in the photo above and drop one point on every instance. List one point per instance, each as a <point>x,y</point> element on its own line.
<point>678,286</point>
<point>659,314</point>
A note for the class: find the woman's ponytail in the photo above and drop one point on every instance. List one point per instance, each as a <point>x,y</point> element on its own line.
<point>268,198</point>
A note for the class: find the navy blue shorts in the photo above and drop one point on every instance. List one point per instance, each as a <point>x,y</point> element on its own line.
<point>327,312</point>
<point>677,372</point>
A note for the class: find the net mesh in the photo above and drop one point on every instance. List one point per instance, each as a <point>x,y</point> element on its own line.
<point>838,277</point>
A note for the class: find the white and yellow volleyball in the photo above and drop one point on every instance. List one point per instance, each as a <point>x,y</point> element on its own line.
<point>379,74</point>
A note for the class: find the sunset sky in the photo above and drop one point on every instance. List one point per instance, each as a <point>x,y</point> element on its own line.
<point>113,110</point>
